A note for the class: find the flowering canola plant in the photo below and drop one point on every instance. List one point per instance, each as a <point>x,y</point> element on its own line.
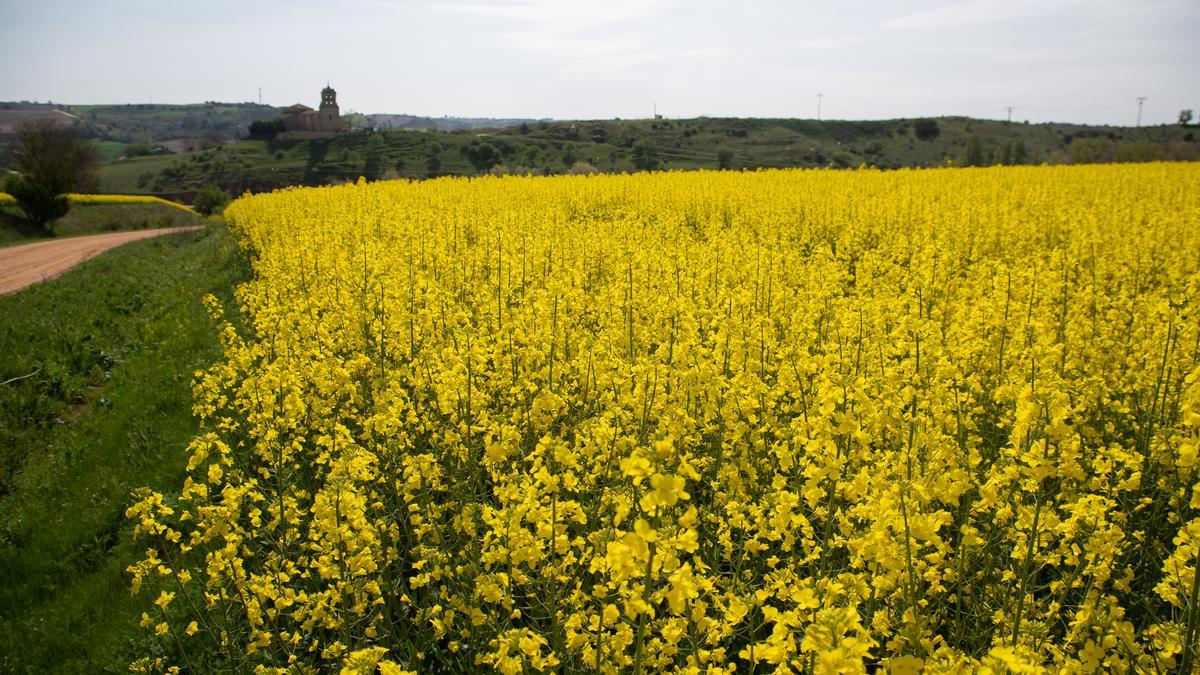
<point>74,198</point>
<point>805,421</point>
<point>125,199</point>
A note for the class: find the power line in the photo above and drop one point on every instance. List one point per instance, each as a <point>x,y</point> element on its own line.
<point>819,97</point>
<point>1140,100</point>
<point>1010,109</point>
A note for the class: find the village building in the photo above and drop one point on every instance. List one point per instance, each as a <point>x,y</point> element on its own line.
<point>301,122</point>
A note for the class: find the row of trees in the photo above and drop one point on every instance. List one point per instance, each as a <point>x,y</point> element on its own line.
<point>1007,153</point>
<point>1085,150</point>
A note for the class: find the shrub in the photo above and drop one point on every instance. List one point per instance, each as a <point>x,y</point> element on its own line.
<point>139,149</point>
<point>266,128</point>
<point>645,156</point>
<point>40,204</point>
<point>926,130</point>
<point>211,200</point>
<point>483,156</point>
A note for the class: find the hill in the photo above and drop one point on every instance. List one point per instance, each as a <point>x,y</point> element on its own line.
<point>421,123</point>
<point>140,128</point>
<point>629,145</point>
<point>144,122</point>
<point>176,129</point>
<point>11,116</point>
<point>155,123</point>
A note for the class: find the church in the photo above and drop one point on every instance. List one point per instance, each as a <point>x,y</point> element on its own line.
<point>301,122</point>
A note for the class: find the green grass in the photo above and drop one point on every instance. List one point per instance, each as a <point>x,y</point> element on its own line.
<point>110,150</point>
<point>106,354</point>
<point>85,219</point>
<point>121,176</point>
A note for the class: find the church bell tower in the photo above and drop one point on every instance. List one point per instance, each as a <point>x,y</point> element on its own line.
<point>329,115</point>
<point>328,98</point>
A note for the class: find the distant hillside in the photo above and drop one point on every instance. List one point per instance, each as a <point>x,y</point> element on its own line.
<point>152,122</point>
<point>417,122</point>
<point>156,123</point>
<point>11,115</point>
<point>140,128</point>
<point>178,129</point>
<point>630,145</point>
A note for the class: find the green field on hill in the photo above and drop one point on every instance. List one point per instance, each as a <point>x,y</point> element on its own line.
<point>174,150</point>
<point>630,145</point>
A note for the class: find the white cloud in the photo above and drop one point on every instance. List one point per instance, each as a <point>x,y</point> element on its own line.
<point>701,53</point>
<point>616,40</point>
<point>1054,59</point>
<point>571,46</point>
<point>973,12</point>
<point>558,16</point>
<point>579,36</point>
<point>832,42</point>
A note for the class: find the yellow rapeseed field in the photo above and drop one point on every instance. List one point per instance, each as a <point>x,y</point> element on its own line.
<point>7,199</point>
<point>806,421</point>
<point>124,199</point>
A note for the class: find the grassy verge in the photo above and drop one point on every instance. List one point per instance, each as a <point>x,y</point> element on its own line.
<point>105,355</point>
<point>94,219</point>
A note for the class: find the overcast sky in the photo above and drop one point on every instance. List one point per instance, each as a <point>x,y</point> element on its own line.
<point>1054,60</point>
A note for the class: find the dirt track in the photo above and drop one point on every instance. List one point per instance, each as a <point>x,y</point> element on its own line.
<point>27,264</point>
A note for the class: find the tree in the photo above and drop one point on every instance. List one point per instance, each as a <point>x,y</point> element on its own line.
<point>433,165</point>
<point>1089,150</point>
<point>725,158</point>
<point>1185,117</point>
<point>373,157</point>
<point>483,156</point>
<point>974,154</point>
<point>1018,154</point>
<point>926,130</point>
<point>50,161</point>
<point>266,128</point>
<point>211,199</point>
<point>1004,154</point>
<point>645,155</point>
<point>141,147</point>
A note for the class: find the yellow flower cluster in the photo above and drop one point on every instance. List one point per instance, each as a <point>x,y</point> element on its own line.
<point>125,199</point>
<point>108,199</point>
<point>807,421</point>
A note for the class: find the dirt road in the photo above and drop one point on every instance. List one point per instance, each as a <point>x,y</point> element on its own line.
<point>27,264</point>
